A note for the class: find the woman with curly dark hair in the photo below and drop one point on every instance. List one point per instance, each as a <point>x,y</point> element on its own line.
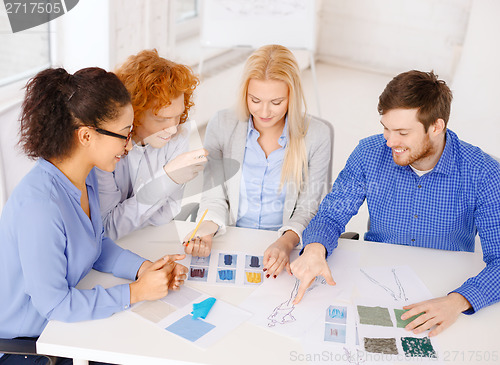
<point>51,231</point>
<point>147,186</point>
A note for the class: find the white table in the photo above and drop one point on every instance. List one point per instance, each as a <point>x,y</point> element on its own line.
<point>127,339</point>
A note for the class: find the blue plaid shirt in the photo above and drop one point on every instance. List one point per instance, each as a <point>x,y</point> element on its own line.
<point>443,209</point>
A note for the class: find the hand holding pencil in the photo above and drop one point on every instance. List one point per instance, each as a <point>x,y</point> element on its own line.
<point>199,241</point>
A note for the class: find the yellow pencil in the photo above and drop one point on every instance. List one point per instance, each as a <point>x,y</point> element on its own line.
<point>197,226</point>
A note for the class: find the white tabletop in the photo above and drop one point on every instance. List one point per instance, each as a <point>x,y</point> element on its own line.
<point>127,339</point>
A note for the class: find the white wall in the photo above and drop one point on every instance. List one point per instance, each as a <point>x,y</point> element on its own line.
<point>392,36</point>
<point>475,111</point>
<point>83,38</point>
<point>136,25</point>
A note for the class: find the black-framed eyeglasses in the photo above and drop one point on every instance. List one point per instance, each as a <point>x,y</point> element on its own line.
<point>116,135</point>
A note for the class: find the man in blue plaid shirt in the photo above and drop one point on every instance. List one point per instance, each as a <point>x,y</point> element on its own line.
<point>424,187</point>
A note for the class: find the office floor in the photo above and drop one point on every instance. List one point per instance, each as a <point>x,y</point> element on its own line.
<point>348,99</point>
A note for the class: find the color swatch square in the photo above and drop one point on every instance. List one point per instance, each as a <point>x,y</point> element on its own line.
<point>381,345</point>
<point>377,316</point>
<point>189,328</point>
<point>402,323</point>
<point>418,347</point>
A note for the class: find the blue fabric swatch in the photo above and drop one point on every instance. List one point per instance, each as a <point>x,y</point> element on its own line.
<point>201,309</point>
<point>190,329</point>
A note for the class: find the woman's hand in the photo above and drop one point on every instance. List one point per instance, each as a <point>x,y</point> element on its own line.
<point>201,245</point>
<point>155,279</point>
<point>179,275</point>
<point>277,255</point>
<point>186,166</point>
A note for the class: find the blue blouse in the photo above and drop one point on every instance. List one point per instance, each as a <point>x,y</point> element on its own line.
<point>47,245</point>
<point>261,201</point>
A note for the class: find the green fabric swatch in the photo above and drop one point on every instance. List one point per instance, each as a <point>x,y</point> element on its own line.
<point>418,347</point>
<point>376,316</point>
<point>381,345</point>
<point>400,323</point>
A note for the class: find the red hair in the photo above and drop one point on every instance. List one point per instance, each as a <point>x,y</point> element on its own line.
<point>153,82</point>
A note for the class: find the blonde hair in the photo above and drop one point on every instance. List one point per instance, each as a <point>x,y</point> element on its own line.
<point>275,62</point>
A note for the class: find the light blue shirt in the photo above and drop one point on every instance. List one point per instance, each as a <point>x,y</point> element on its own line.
<point>261,201</point>
<point>47,245</point>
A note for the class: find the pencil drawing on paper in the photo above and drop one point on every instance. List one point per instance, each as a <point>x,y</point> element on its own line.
<point>282,314</point>
<point>354,357</point>
<point>400,295</point>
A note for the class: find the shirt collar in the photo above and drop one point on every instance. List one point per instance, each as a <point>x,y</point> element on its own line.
<point>254,133</point>
<point>445,163</point>
<point>57,174</point>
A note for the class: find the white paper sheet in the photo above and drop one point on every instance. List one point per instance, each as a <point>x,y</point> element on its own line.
<point>173,313</point>
<point>390,285</point>
<point>272,303</point>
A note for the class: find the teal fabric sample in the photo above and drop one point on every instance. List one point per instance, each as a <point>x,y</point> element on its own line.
<point>377,316</point>
<point>201,309</point>
<point>418,347</point>
<point>399,322</point>
<point>381,345</point>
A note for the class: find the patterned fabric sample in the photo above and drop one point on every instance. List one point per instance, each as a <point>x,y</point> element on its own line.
<point>376,316</point>
<point>381,345</point>
<point>418,347</point>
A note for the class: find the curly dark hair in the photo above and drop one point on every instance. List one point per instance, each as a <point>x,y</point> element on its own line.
<point>57,103</point>
<point>417,89</point>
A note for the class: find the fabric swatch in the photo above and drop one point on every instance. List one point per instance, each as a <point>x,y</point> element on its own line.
<point>400,323</point>
<point>377,316</point>
<point>381,345</point>
<point>190,329</point>
<point>418,347</point>
<point>201,309</point>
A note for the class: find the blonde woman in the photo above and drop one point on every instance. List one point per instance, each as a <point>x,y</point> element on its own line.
<point>281,156</point>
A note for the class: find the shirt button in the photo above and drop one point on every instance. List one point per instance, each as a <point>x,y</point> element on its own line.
<point>415,216</point>
<point>420,186</point>
<point>413,239</point>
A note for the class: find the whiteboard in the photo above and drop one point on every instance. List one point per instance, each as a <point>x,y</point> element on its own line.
<point>254,23</point>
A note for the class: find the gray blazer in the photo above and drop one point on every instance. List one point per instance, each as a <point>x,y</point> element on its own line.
<point>225,139</point>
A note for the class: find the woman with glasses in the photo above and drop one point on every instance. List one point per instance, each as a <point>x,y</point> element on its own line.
<point>51,231</point>
<point>282,153</point>
<point>147,185</point>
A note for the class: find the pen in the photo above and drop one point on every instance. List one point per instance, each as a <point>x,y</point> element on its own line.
<point>197,226</point>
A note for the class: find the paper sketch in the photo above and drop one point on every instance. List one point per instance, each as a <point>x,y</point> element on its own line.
<point>283,312</point>
<point>387,285</point>
<point>401,290</point>
<point>272,302</point>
